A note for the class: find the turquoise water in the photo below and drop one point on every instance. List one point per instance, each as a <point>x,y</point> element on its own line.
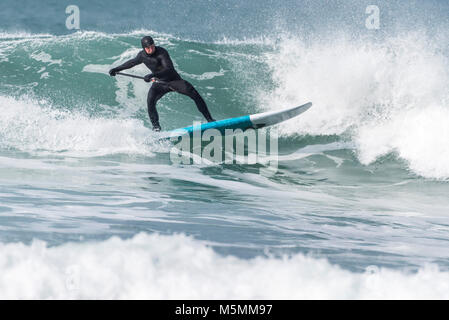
<point>361,187</point>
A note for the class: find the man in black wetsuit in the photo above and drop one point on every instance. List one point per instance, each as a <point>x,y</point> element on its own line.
<point>158,61</point>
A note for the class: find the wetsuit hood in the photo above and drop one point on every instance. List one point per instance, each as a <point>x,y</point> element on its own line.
<point>146,42</point>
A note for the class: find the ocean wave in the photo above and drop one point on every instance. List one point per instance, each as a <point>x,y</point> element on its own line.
<point>179,267</point>
<point>389,96</point>
<point>30,125</point>
<point>5,35</point>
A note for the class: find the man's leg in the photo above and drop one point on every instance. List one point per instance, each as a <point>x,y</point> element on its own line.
<point>184,87</point>
<point>154,94</point>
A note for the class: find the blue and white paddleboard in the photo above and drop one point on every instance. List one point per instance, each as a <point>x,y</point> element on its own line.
<point>254,121</point>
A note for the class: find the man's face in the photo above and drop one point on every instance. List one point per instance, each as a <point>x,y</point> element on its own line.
<point>150,49</point>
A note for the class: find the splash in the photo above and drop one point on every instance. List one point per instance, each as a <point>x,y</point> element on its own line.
<point>389,96</point>
<point>30,125</point>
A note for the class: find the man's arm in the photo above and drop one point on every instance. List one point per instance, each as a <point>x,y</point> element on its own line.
<point>128,64</point>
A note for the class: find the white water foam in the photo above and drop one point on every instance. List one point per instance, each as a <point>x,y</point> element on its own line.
<point>30,125</point>
<point>45,58</point>
<point>179,267</point>
<point>390,96</point>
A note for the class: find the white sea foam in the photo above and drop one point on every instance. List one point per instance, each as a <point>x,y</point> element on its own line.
<point>22,34</point>
<point>31,125</point>
<point>390,96</point>
<point>205,75</point>
<point>179,267</point>
<point>45,58</point>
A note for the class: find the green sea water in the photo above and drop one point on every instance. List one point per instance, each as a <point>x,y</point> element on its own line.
<point>361,179</point>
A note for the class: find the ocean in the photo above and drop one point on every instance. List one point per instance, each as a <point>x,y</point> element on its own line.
<point>93,207</point>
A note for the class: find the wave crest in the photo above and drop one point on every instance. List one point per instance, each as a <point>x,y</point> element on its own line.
<point>390,96</point>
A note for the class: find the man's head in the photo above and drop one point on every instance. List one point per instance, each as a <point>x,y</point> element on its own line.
<point>148,45</point>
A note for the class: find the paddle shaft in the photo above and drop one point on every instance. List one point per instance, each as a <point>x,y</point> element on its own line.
<point>138,77</point>
<point>130,75</point>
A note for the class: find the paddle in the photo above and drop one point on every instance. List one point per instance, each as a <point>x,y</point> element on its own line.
<point>130,75</point>
<point>138,77</point>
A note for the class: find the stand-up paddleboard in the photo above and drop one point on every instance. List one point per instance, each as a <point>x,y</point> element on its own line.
<point>254,121</point>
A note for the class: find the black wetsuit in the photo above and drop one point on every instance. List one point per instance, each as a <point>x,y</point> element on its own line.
<point>162,68</point>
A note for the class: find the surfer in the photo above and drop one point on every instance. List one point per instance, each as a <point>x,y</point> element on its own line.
<point>164,77</point>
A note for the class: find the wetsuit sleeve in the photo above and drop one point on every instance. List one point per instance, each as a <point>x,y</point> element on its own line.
<point>130,63</point>
<point>167,66</point>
